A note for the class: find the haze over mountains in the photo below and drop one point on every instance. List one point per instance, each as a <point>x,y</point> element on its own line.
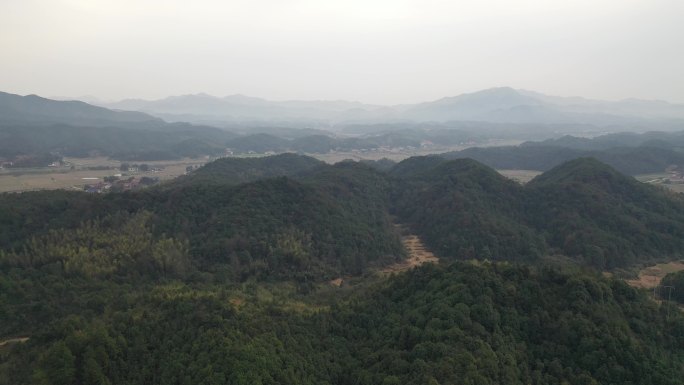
<point>497,105</point>
<point>43,129</point>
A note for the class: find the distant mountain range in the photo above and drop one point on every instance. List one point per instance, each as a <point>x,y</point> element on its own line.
<point>32,126</point>
<point>495,105</point>
<point>35,126</point>
<point>34,109</point>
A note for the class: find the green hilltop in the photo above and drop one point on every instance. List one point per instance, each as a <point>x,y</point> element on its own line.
<point>222,276</point>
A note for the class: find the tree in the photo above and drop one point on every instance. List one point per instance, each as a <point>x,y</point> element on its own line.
<point>59,364</point>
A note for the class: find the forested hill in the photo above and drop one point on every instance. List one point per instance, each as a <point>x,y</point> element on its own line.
<point>629,153</point>
<point>332,222</point>
<point>33,109</point>
<point>242,170</point>
<point>250,215</point>
<point>589,210</point>
<point>497,324</point>
<point>464,209</point>
<point>628,160</point>
<point>462,324</point>
<point>171,141</point>
<point>31,126</point>
<point>228,281</point>
<point>583,209</point>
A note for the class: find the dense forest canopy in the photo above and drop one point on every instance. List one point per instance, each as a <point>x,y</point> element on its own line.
<point>458,323</point>
<point>629,153</point>
<point>233,210</point>
<point>222,277</point>
<point>583,209</point>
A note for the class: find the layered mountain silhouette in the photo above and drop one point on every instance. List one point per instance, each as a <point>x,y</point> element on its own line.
<point>35,126</point>
<point>629,153</point>
<point>503,105</point>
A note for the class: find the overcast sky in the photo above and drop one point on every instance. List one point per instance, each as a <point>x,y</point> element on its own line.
<point>377,51</point>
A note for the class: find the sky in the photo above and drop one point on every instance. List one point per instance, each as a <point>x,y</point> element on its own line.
<point>374,51</point>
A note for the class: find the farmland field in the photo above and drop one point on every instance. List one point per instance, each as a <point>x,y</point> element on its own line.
<point>85,171</point>
<point>661,179</point>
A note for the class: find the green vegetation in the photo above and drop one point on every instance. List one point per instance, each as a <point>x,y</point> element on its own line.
<point>221,277</point>
<point>582,209</point>
<point>629,153</point>
<point>628,160</point>
<point>676,280</point>
<point>332,222</point>
<point>172,142</point>
<point>241,170</point>
<point>619,222</point>
<point>465,210</point>
<point>460,323</point>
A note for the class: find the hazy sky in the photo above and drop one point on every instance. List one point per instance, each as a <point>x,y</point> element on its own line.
<point>384,51</point>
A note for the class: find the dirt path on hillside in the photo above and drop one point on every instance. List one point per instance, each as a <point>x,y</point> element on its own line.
<point>13,341</point>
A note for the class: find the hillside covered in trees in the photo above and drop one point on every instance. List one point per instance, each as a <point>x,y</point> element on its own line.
<point>234,212</point>
<point>583,209</point>
<point>222,277</point>
<point>458,323</point>
<point>629,153</point>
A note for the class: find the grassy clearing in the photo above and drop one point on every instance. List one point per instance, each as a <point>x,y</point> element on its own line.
<point>651,276</point>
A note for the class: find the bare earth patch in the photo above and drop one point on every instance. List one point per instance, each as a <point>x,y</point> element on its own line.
<point>237,302</point>
<point>651,276</point>
<point>418,255</point>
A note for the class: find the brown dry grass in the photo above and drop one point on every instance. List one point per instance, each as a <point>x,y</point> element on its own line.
<point>651,276</point>
<point>418,254</point>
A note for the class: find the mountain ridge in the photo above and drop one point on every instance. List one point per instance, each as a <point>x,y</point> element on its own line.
<point>499,104</point>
